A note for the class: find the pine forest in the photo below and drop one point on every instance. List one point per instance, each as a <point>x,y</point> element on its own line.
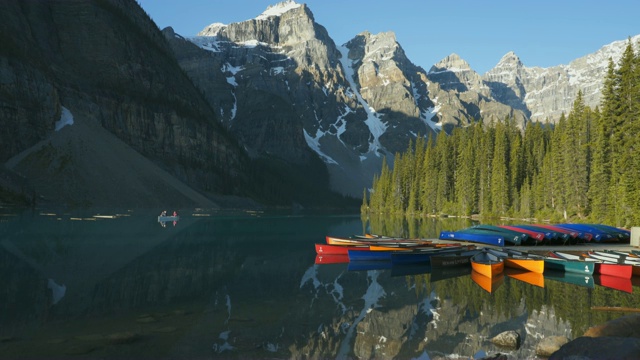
<point>585,167</point>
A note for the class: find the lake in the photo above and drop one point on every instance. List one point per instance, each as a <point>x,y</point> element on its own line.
<point>117,284</point>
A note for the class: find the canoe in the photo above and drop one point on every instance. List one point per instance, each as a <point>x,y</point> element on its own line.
<point>489,284</point>
<point>612,259</point>
<point>326,249</point>
<point>168,218</point>
<point>554,263</point>
<point>367,255</point>
<point>536,237</point>
<point>569,278</point>
<point>573,237</point>
<point>332,259</point>
<point>600,267</point>
<point>623,235</point>
<point>489,239</point>
<point>520,260</point>
<point>629,254</point>
<point>453,259</point>
<point>336,240</point>
<point>422,255</point>
<point>393,247</point>
<point>510,237</point>
<point>529,277</point>
<point>598,234</point>
<point>487,264</point>
<point>372,236</point>
<point>551,237</point>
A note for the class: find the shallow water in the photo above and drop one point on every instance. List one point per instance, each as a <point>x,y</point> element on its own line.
<point>114,284</point>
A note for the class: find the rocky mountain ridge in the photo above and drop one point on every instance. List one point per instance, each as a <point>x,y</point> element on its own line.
<point>358,103</point>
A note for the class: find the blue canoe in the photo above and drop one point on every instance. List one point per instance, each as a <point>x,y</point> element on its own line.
<point>368,255</point>
<point>497,240</point>
<point>622,235</point>
<point>599,235</point>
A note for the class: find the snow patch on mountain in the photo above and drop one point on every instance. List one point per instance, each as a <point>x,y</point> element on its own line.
<point>278,9</point>
<point>314,144</point>
<point>66,118</point>
<point>373,122</point>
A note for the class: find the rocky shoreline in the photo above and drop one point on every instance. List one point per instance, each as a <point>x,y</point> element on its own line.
<point>615,339</point>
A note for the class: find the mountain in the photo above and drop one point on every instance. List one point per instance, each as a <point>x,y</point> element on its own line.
<point>141,134</point>
<point>543,94</point>
<point>355,104</point>
<point>269,108</point>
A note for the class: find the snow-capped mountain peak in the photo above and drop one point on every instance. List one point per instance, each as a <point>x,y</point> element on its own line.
<point>510,60</point>
<point>453,63</point>
<point>278,9</point>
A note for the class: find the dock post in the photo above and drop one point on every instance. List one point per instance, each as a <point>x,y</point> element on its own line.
<point>635,236</point>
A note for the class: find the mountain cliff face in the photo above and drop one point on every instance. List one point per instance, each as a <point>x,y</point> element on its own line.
<point>104,65</point>
<point>292,90</point>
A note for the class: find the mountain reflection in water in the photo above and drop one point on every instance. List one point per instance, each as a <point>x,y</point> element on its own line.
<point>249,286</point>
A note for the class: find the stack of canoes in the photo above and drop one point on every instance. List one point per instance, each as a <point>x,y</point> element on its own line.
<point>379,248</point>
<point>488,265</point>
<point>537,234</point>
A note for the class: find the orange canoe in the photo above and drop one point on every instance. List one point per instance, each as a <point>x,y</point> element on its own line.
<point>487,264</point>
<point>520,260</point>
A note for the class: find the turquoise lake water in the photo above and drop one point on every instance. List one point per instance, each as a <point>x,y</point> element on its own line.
<point>117,284</point>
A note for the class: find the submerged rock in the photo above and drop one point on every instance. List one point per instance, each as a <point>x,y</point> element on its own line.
<point>508,339</point>
<point>550,344</point>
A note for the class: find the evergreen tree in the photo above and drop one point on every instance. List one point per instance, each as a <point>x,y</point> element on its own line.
<point>429,184</point>
<point>500,191</point>
<point>485,158</point>
<point>465,174</point>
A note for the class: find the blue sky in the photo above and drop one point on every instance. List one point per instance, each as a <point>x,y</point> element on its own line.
<point>542,33</point>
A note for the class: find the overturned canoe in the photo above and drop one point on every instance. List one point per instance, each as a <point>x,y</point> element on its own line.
<point>489,239</point>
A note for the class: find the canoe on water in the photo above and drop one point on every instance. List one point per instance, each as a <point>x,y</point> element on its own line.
<point>326,249</point>
<point>554,263</point>
<point>616,259</point>
<point>461,258</point>
<point>424,255</point>
<point>487,264</point>
<point>168,218</point>
<point>600,267</point>
<point>520,260</point>
<point>336,240</point>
